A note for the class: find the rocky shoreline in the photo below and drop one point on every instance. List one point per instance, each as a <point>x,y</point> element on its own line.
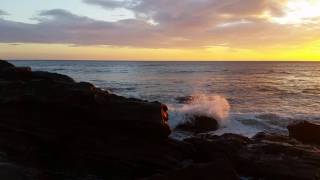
<point>53,128</point>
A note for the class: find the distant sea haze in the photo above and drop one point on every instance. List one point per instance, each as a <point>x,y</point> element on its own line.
<point>245,97</point>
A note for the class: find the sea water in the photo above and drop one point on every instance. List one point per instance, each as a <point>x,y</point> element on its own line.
<point>245,97</point>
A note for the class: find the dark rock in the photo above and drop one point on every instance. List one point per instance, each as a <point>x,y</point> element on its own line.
<point>51,123</point>
<point>305,132</point>
<point>4,65</point>
<point>262,136</point>
<point>208,148</point>
<point>51,76</point>
<point>9,71</point>
<point>184,99</point>
<point>57,98</point>
<point>199,124</point>
<point>23,70</point>
<point>54,128</point>
<point>263,157</point>
<point>11,172</point>
<point>219,169</point>
<point>277,158</point>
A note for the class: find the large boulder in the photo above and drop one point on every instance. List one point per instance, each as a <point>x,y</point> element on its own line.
<point>305,132</point>
<point>199,124</point>
<point>57,103</point>
<point>51,122</point>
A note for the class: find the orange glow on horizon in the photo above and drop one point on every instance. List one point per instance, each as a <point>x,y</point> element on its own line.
<point>306,52</point>
<point>273,30</point>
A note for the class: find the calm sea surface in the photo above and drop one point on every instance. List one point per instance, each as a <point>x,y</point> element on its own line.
<point>246,97</point>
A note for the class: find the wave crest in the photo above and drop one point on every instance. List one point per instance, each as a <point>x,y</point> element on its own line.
<point>214,106</point>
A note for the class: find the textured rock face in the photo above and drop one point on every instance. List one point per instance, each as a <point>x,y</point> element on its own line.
<point>263,157</point>
<point>233,156</point>
<point>11,172</point>
<point>199,124</point>
<point>279,157</point>
<point>219,169</point>
<point>305,132</point>
<point>53,128</point>
<point>54,101</point>
<point>50,121</point>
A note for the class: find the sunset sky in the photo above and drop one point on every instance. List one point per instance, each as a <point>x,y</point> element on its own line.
<point>160,29</point>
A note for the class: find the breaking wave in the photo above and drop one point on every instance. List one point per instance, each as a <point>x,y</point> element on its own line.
<point>218,107</point>
<point>214,106</point>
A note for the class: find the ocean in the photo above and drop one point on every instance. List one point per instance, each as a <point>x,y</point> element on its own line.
<point>245,97</point>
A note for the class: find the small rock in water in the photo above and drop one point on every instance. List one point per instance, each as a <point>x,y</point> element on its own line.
<point>184,99</point>
<point>305,132</point>
<point>199,124</point>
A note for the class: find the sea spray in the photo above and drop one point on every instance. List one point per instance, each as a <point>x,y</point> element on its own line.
<point>214,106</point>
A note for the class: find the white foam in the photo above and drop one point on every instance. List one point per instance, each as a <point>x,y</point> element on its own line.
<point>244,123</point>
<point>214,106</point>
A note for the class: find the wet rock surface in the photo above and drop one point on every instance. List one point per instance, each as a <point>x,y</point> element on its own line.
<point>199,124</point>
<point>53,128</point>
<point>262,157</point>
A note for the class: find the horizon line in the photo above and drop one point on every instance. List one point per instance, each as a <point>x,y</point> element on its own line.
<point>164,60</point>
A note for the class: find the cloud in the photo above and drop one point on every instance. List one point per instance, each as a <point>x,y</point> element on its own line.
<point>166,24</point>
<point>111,4</point>
<point>60,26</point>
<point>3,13</point>
<point>166,11</point>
